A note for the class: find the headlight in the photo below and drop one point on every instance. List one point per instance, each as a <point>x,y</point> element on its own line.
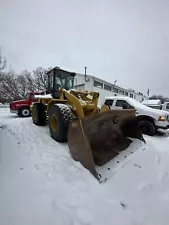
<point>162,118</point>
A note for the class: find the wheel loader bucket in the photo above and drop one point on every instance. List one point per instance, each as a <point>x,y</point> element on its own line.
<point>98,138</point>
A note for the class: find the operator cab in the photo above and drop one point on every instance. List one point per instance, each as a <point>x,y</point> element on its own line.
<point>59,79</point>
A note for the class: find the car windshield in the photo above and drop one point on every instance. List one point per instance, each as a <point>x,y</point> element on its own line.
<point>27,95</point>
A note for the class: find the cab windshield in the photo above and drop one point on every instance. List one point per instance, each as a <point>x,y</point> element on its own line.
<point>64,82</point>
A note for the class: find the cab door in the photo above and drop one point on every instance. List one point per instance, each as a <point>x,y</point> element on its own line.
<point>122,104</point>
<point>109,103</point>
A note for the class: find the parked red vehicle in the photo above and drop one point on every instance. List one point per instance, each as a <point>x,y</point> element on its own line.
<point>22,107</point>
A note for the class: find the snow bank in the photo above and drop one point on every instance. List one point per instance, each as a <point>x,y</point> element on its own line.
<point>4,105</point>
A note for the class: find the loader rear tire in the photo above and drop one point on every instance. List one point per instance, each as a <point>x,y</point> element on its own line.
<point>147,127</point>
<point>39,114</point>
<point>60,116</point>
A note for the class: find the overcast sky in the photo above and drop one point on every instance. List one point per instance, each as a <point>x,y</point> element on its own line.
<point>123,40</point>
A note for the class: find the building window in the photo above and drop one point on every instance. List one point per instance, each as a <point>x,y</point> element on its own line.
<point>98,84</point>
<point>126,93</point>
<point>107,87</point>
<point>121,92</point>
<point>114,89</point>
<point>131,95</point>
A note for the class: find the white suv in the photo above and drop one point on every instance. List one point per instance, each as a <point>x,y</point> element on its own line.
<point>149,119</point>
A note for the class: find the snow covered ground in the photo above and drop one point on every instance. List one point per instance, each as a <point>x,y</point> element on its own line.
<point>40,184</point>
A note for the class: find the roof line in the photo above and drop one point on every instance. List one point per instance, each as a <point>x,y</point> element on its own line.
<point>91,76</point>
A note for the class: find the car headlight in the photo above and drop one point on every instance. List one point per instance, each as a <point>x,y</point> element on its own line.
<point>162,118</point>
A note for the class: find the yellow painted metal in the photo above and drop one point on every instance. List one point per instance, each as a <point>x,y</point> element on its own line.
<point>34,115</point>
<point>53,123</point>
<point>104,108</point>
<point>82,103</point>
<point>54,101</point>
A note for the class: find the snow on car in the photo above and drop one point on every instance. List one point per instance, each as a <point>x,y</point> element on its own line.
<point>41,184</point>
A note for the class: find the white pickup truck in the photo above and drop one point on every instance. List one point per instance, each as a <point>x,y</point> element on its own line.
<point>149,119</point>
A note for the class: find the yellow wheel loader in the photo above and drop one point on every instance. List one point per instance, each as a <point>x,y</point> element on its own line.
<point>94,136</point>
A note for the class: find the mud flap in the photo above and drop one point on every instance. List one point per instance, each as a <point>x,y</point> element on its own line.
<point>97,139</point>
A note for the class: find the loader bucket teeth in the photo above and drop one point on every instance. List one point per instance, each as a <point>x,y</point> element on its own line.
<point>97,139</point>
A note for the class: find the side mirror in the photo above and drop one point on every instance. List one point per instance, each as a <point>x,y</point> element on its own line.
<point>75,82</point>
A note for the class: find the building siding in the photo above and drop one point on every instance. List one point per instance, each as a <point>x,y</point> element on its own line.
<point>102,87</point>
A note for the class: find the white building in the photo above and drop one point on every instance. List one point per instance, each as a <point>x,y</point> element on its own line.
<point>92,83</point>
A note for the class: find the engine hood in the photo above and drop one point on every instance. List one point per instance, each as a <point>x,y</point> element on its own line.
<point>143,109</point>
<point>162,112</point>
<point>24,101</point>
<point>152,112</point>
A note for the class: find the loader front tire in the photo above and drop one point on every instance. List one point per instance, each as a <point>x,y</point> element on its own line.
<point>60,116</point>
<point>38,114</point>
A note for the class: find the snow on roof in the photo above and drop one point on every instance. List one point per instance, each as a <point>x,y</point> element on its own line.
<point>137,104</point>
<point>43,96</point>
<point>151,102</point>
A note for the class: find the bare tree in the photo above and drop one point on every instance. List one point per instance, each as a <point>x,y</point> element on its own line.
<point>9,86</point>
<point>40,79</point>
<point>15,86</point>
<point>162,98</point>
<point>2,62</point>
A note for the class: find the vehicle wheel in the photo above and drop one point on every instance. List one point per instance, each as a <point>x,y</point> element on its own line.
<point>59,119</point>
<point>38,114</point>
<point>147,127</point>
<point>24,112</point>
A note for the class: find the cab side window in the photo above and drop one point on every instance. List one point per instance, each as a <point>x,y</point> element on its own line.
<point>123,104</point>
<point>109,102</point>
<point>167,106</point>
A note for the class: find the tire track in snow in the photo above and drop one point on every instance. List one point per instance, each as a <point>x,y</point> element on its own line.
<point>37,140</point>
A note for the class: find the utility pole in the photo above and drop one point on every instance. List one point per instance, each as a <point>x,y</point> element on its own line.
<point>86,74</point>
<point>85,69</point>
